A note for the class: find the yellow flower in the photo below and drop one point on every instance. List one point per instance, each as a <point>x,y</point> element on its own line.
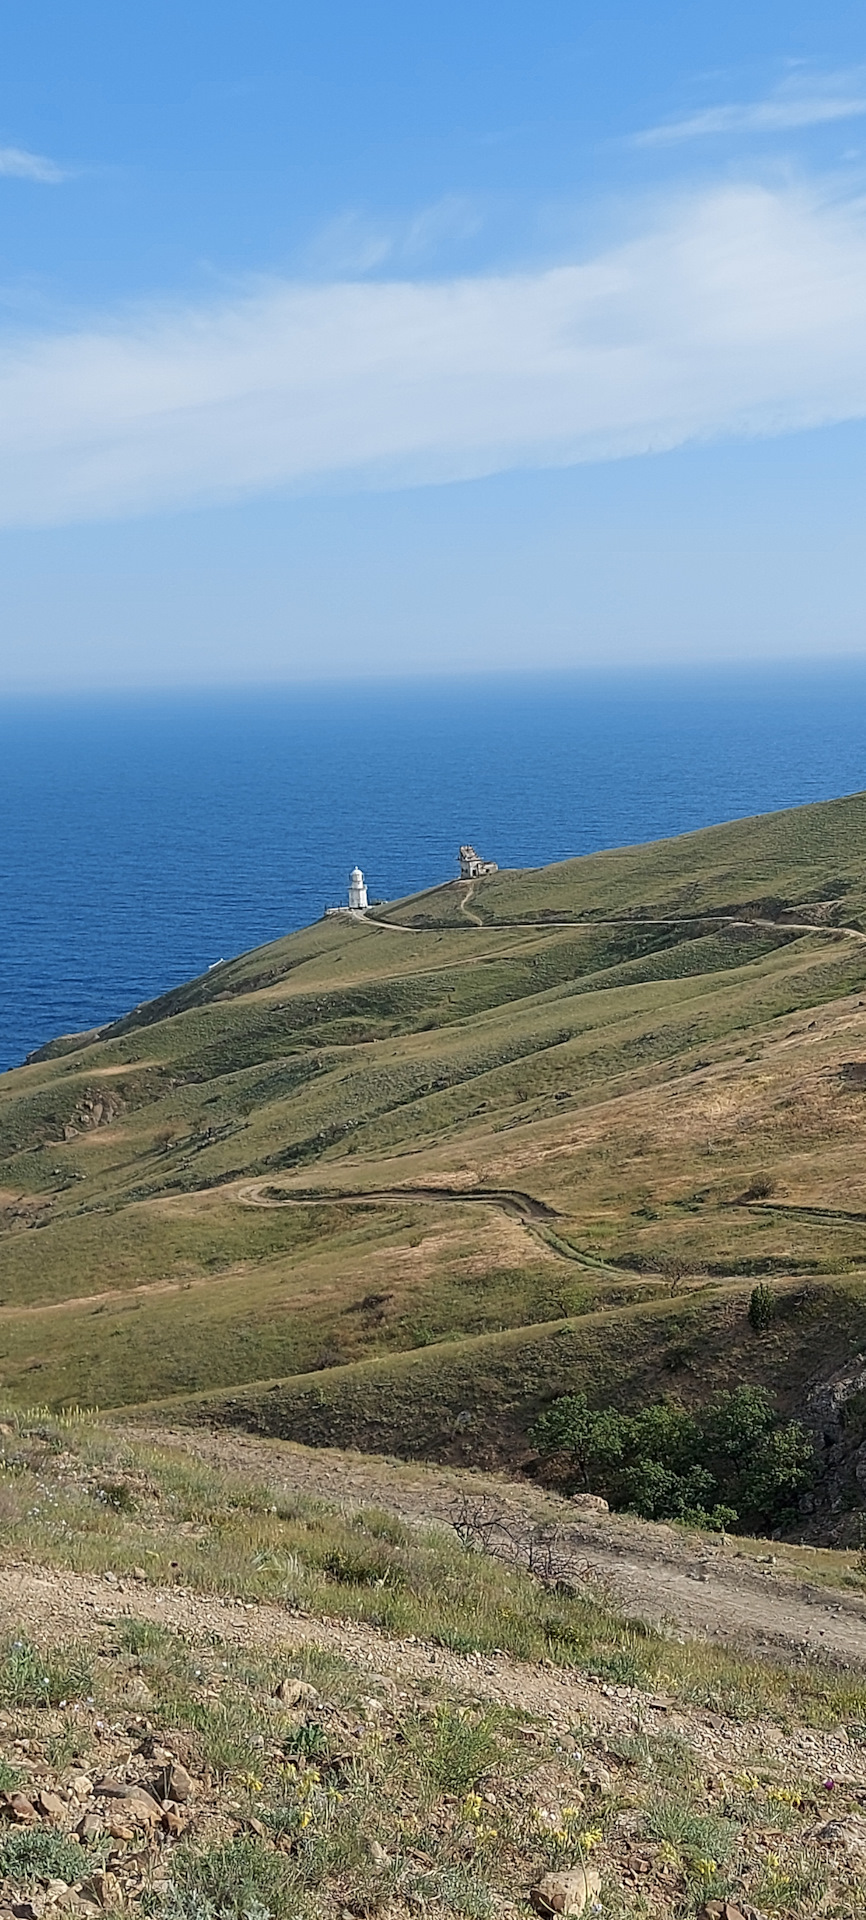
<point>705,1867</point>
<point>589,1838</point>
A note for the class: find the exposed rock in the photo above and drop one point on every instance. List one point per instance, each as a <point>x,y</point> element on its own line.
<point>835,1411</point>
<point>173,1782</point>
<point>567,1892</point>
<point>102,1888</point>
<point>597,1775</point>
<point>50,1805</point>
<point>296,1693</point>
<point>80,1784</point>
<point>89,1827</point>
<point>846,1836</point>
<point>21,1808</point>
<point>589,1503</point>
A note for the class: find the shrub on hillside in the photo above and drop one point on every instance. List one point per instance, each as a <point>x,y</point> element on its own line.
<point>732,1460</point>
<point>762,1307</point>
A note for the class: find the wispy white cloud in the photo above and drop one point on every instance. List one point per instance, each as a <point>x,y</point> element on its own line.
<point>741,311</point>
<point>17,164</point>
<point>354,244</point>
<point>796,103</point>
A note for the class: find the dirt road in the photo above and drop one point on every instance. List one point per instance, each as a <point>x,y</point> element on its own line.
<point>653,1572</point>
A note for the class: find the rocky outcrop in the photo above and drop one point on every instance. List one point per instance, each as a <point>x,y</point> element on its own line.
<point>835,1412</point>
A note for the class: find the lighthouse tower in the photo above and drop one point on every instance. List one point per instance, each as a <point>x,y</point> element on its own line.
<point>357,892</point>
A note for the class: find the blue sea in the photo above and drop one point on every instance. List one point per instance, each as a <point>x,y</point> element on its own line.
<point>144,837</point>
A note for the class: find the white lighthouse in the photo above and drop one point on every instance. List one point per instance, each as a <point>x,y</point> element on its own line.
<point>357,892</point>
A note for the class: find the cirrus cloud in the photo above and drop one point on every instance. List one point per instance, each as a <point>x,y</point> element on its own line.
<point>739,311</point>
<point>796,103</point>
<point>17,164</point>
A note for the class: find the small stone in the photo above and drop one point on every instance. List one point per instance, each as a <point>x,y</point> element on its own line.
<point>175,1782</point>
<point>102,1888</point>
<point>568,1892</point>
<point>378,1856</point>
<point>589,1503</point>
<point>80,1784</point>
<point>89,1827</point>
<point>50,1805</point>
<point>139,1573</point>
<point>294,1693</point>
<point>21,1808</point>
<point>721,1910</point>
<point>175,1824</point>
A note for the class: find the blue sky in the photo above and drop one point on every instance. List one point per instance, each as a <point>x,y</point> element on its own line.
<point>368,339</point>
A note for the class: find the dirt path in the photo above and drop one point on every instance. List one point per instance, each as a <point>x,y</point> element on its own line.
<point>510,1200</point>
<point>701,922</point>
<point>536,1216</point>
<point>57,1606</point>
<point>652,1572</point>
<point>465,898</point>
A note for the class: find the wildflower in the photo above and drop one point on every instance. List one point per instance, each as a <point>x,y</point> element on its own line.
<point>705,1866</point>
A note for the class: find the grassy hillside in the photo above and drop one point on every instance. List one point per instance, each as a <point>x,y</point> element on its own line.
<point>400,1180</point>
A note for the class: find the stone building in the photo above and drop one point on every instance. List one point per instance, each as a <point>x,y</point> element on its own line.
<point>472,865</point>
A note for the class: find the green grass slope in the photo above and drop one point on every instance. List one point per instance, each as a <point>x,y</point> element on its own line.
<point>413,1168</point>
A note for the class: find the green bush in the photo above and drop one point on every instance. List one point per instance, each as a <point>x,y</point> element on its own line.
<point>762,1307</point>
<point>38,1854</point>
<point>733,1459</point>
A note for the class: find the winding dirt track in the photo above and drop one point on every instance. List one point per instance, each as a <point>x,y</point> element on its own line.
<point>699,1590</point>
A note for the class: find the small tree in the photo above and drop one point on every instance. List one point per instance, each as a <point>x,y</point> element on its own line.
<point>593,1441</point>
<point>762,1307</point>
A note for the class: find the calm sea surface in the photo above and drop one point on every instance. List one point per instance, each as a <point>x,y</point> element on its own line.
<point>143,838</point>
